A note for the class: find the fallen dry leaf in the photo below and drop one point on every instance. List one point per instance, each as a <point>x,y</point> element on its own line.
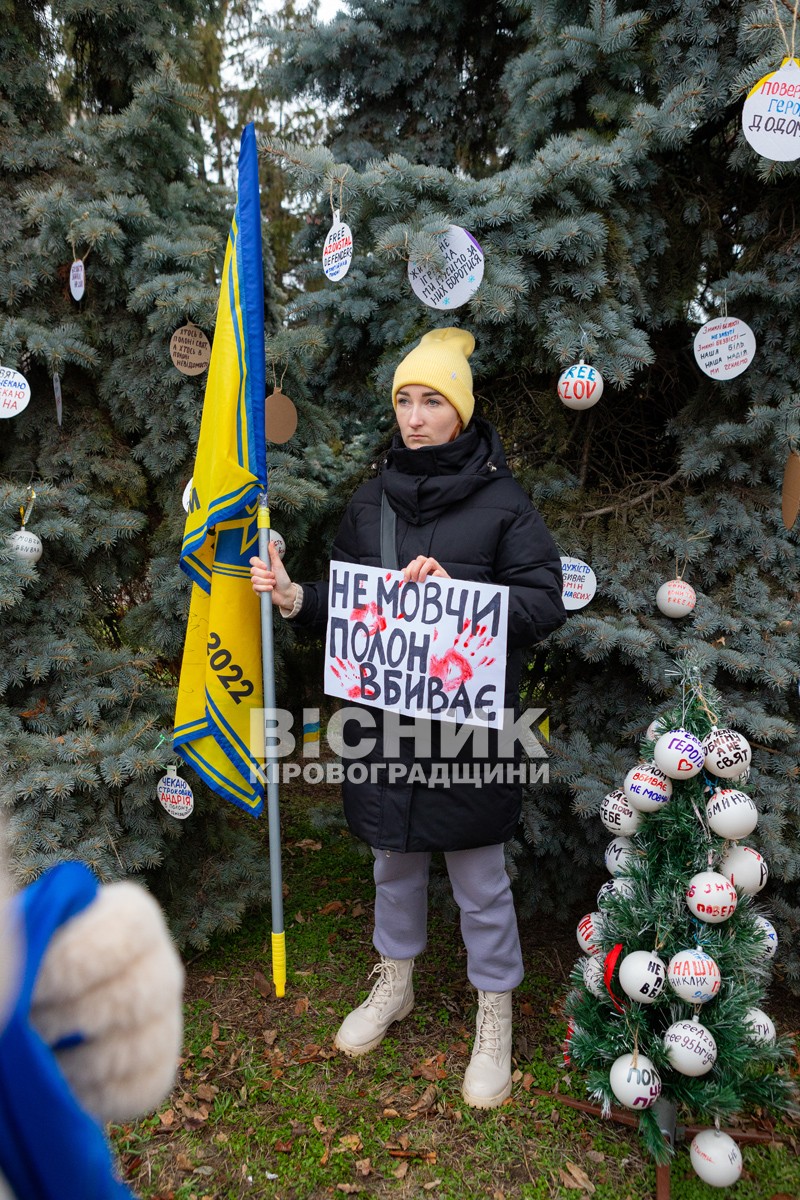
<point>579,1178</point>
<point>298,916</point>
<point>401,1170</point>
<point>428,1156</point>
<point>320,1125</point>
<point>333,906</point>
<point>596,1155</point>
<point>262,984</point>
<point>270,1036</point>
<point>426,1100</point>
<point>433,1183</point>
<point>363,1167</point>
<point>167,1118</point>
<point>348,1188</point>
<point>284,1147</point>
<point>308,844</point>
<point>390,1112</point>
<point>527,1082</point>
<point>208,1052</point>
<point>430,1069</point>
<point>568,1180</point>
<point>301,1006</point>
<point>207,1091</point>
<point>183,1162</point>
<point>349,1141</point>
<point>357,910</point>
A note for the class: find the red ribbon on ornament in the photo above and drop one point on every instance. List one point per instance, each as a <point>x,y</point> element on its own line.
<point>609,965</point>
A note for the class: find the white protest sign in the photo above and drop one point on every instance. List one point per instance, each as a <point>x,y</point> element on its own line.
<point>724,347</point>
<point>580,583</point>
<point>175,795</point>
<point>771,114</point>
<point>462,274</point>
<point>15,392</point>
<point>435,649</point>
<point>337,253</point>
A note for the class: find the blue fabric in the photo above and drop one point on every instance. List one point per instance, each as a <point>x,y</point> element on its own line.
<point>50,1149</point>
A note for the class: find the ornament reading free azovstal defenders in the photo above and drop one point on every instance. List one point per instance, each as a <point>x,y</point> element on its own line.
<point>77,279</point>
<point>175,795</point>
<point>15,392</point>
<point>580,386</point>
<point>579,583</point>
<point>461,277</point>
<point>190,349</point>
<point>771,114</point>
<point>724,347</point>
<point>337,253</point>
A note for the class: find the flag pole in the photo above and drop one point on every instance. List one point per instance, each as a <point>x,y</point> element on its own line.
<point>273,811</point>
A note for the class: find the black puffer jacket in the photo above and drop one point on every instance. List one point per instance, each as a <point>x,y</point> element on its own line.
<point>459,503</point>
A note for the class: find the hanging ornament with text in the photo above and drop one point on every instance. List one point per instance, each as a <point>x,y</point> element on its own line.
<point>724,347</point>
<point>24,545</point>
<point>175,795</point>
<point>337,253</point>
<point>580,386</point>
<point>676,598</point>
<point>190,349</point>
<point>77,279</point>
<point>15,392</point>
<point>461,277</point>
<point>579,583</point>
<point>716,1158</point>
<point>771,113</point>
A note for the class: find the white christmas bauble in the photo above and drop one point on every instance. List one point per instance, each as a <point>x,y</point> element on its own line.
<point>277,538</point>
<point>647,787</point>
<point>619,855</point>
<point>580,386</point>
<point>711,897</point>
<point>694,976</point>
<point>760,1027</point>
<point>690,1048</point>
<point>655,729</point>
<point>676,598</point>
<point>25,546</point>
<point>770,936</point>
<point>745,868</point>
<point>642,976</point>
<point>620,885</point>
<point>589,931</point>
<point>731,814</point>
<point>679,754</point>
<point>716,1158</point>
<point>727,753</point>
<point>593,977</point>
<point>617,815</point>
<point>636,1086</point>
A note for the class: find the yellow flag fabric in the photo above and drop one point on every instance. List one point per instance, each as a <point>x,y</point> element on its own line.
<point>221,683</point>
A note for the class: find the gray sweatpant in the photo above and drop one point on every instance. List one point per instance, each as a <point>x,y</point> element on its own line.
<point>481,889</point>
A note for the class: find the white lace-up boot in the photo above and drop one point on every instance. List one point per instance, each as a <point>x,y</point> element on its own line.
<point>391,999</point>
<point>487,1081</point>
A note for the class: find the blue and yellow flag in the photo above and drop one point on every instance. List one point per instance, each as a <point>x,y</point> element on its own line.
<point>221,681</point>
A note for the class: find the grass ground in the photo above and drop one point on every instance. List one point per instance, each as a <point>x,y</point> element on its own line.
<point>266,1107</point>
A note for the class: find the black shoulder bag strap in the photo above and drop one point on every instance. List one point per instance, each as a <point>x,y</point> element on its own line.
<point>388,535</point>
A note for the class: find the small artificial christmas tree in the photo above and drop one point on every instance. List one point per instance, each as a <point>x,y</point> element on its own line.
<point>666,1003</point>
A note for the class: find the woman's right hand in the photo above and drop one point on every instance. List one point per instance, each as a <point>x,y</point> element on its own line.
<point>273,578</point>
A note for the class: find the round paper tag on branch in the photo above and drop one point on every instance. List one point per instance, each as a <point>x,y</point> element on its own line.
<point>771,114</point>
<point>15,392</point>
<point>77,279</point>
<point>461,277</point>
<point>175,795</point>
<point>580,583</point>
<point>337,253</point>
<point>724,347</point>
<point>280,417</point>
<point>190,349</point>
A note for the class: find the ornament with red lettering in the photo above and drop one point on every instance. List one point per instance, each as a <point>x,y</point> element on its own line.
<point>77,279</point>
<point>589,932</point>
<point>771,113</point>
<point>635,1081</point>
<point>728,753</point>
<point>679,754</point>
<point>690,1048</point>
<point>676,598</point>
<point>642,976</point>
<point>617,815</point>
<point>647,787</point>
<point>745,868</point>
<point>767,929</point>
<point>716,1158</point>
<point>711,897</point>
<point>175,795</point>
<point>190,349</point>
<point>579,583</point>
<point>337,253</point>
<point>462,274</point>
<point>619,855</point>
<point>280,544</point>
<point>724,347</point>
<point>620,885</point>
<point>15,392</point>
<point>731,814</point>
<point>580,386</point>
<point>694,976</point>
<point>760,1027</point>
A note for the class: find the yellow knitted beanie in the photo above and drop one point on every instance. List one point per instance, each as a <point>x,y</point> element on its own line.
<point>439,361</point>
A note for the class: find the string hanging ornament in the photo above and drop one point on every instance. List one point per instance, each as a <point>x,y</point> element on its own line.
<point>337,253</point>
<point>23,544</point>
<point>771,111</point>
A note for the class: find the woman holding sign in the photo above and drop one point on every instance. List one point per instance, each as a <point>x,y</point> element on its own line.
<point>445,506</point>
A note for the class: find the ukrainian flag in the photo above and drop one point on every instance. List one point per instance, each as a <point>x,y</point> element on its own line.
<point>221,680</point>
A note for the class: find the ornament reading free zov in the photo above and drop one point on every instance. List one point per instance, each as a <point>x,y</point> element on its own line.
<point>580,386</point>
<point>15,392</point>
<point>461,277</point>
<point>771,113</point>
<point>190,349</point>
<point>724,347</point>
<point>580,583</point>
<point>337,253</point>
<point>175,795</point>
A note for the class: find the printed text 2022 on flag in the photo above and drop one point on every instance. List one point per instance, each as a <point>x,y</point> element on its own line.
<point>221,673</point>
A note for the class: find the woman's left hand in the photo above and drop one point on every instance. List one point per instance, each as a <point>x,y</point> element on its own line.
<point>420,568</point>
